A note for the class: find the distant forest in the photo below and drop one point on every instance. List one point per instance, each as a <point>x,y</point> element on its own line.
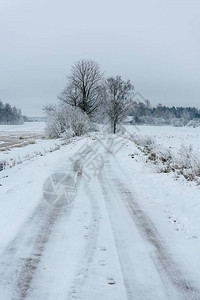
<point>10,115</point>
<point>144,113</point>
<point>139,113</point>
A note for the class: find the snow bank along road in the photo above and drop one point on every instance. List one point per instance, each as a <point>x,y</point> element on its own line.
<point>71,228</point>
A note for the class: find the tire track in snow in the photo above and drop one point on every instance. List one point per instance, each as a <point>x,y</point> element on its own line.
<point>163,262</point>
<point>21,258</point>
<point>176,285</point>
<point>123,258</point>
<point>31,262</point>
<point>82,274</point>
<point>19,261</point>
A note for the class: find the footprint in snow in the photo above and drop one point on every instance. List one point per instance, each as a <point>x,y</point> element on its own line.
<point>111,281</point>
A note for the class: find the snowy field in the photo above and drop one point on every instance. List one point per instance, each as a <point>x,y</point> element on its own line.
<point>170,149</point>
<point>97,219</point>
<point>168,136</point>
<point>37,127</point>
<point>19,143</point>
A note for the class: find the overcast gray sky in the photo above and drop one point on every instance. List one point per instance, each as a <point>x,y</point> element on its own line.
<point>155,44</point>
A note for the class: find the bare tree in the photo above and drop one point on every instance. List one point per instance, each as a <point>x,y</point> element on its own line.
<point>84,87</point>
<point>117,100</point>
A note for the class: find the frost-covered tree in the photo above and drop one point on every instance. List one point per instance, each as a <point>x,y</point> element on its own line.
<point>66,121</point>
<point>144,113</point>
<point>118,98</point>
<point>84,86</point>
<point>10,115</point>
<point>1,111</point>
<point>7,111</point>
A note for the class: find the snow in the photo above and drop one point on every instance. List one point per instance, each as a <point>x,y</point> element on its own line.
<point>178,198</point>
<point>19,143</point>
<point>128,232</point>
<point>168,136</point>
<point>26,127</point>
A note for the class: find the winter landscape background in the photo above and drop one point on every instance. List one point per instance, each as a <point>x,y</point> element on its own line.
<point>99,150</point>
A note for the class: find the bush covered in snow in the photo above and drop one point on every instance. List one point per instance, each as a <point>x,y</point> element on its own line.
<point>194,123</point>
<point>66,121</point>
<point>178,122</point>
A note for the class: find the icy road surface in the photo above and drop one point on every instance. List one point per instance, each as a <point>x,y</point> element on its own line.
<point>84,235</point>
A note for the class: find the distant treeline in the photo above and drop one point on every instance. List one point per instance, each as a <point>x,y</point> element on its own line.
<point>144,113</point>
<point>10,115</point>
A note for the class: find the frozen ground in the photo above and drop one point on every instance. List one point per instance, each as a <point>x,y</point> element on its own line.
<point>168,136</point>
<point>19,143</point>
<point>178,196</point>
<point>37,127</point>
<point>94,220</point>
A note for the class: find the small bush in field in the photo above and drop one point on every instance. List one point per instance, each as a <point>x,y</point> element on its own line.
<point>66,121</point>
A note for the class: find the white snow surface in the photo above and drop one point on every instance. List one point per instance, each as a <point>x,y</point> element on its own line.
<point>116,229</point>
<point>19,143</point>
<point>26,127</point>
<point>169,136</point>
<point>178,198</point>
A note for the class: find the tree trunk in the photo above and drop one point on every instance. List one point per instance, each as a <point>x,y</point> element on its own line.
<point>114,127</point>
<point>84,102</point>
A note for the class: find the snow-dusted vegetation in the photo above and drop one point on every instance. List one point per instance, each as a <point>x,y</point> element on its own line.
<point>66,121</point>
<point>89,97</point>
<point>143,112</point>
<point>9,114</point>
<point>169,149</point>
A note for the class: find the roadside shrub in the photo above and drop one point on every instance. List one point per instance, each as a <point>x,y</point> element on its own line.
<point>184,162</point>
<point>66,121</point>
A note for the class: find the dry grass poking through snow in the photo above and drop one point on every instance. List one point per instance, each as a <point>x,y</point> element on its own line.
<point>183,162</point>
<point>20,144</point>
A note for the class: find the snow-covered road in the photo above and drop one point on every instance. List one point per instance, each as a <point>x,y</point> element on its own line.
<point>88,236</point>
